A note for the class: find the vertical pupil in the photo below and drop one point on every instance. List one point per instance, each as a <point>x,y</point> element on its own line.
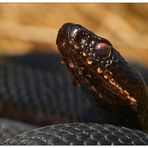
<point>102,49</point>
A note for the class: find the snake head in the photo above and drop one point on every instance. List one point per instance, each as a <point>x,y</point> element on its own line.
<point>79,40</point>
<point>100,69</point>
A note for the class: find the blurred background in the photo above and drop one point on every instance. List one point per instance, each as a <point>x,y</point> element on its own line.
<point>32,28</point>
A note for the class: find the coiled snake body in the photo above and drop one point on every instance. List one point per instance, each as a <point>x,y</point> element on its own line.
<point>40,91</point>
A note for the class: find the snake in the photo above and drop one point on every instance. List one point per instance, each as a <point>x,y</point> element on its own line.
<point>105,104</point>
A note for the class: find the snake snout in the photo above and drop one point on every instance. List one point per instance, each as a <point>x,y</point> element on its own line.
<point>67,31</point>
<point>67,40</point>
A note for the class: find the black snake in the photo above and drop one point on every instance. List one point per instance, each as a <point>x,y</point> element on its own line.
<point>36,89</point>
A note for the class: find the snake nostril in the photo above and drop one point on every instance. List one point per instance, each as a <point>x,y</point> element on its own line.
<point>102,49</point>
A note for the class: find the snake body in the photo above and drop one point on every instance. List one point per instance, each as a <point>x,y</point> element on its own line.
<point>42,93</point>
<point>33,91</point>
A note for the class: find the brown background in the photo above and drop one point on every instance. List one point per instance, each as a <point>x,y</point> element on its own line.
<point>27,28</point>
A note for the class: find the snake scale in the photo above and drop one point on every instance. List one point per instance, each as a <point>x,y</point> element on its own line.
<point>40,105</point>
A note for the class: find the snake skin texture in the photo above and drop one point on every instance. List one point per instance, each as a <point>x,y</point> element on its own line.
<point>32,90</point>
<point>32,87</point>
<point>41,90</point>
<point>10,128</point>
<point>81,134</point>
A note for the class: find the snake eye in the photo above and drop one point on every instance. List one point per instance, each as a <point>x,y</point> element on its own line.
<point>102,49</point>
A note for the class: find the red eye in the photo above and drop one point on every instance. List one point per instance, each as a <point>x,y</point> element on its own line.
<point>102,49</point>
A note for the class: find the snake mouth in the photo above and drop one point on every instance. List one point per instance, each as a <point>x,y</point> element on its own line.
<point>118,95</point>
